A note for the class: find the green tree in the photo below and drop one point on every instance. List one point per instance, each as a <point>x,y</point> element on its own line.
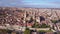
<point>44,31</point>
<point>44,26</point>
<point>54,21</point>
<point>36,25</point>
<point>27,31</point>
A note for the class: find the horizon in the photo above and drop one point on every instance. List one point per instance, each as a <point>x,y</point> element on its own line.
<point>30,3</point>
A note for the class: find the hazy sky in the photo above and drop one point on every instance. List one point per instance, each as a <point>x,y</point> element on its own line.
<point>31,3</point>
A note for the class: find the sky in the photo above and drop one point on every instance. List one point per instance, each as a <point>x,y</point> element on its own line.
<point>31,3</point>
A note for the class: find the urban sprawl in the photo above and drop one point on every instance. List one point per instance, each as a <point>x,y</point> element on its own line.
<point>30,20</point>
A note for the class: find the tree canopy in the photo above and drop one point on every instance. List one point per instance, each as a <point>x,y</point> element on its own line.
<point>27,31</point>
<point>44,26</point>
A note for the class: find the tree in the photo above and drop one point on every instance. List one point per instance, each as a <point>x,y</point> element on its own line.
<point>36,25</point>
<point>31,20</point>
<point>27,31</point>
<point>54,21</point>
<point>44,26</point>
